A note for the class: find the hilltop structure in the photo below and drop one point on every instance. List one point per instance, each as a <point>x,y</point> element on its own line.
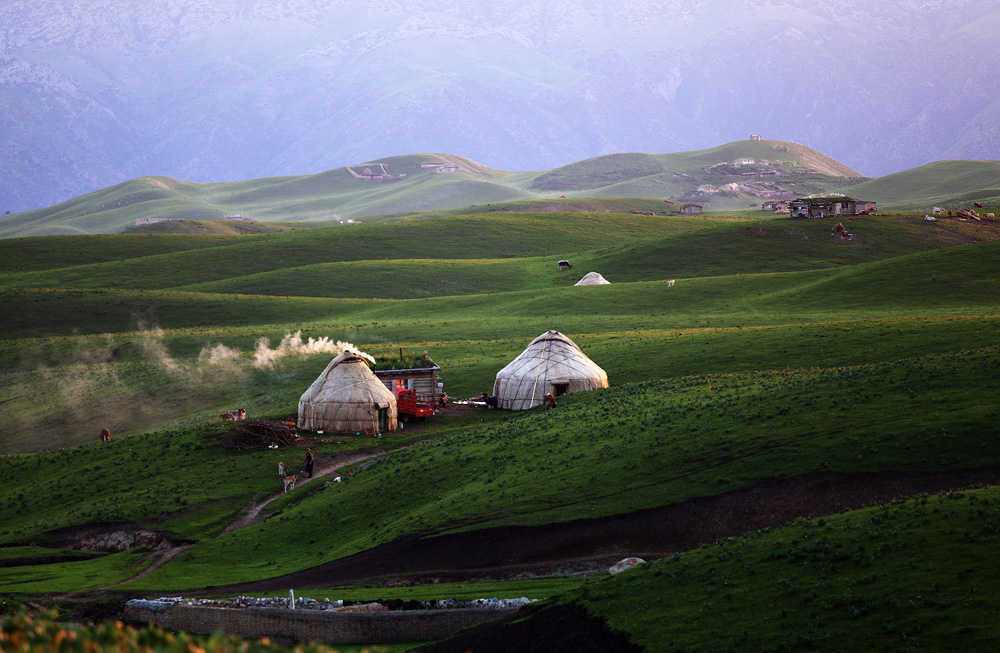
<point>347,396</point>
<point>552,363</point>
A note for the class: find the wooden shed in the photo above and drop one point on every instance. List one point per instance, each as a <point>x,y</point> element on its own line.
<point>420,375</point>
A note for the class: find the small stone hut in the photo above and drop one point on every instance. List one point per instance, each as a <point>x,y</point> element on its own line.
<point>551,363</point>
<point>347,396</point>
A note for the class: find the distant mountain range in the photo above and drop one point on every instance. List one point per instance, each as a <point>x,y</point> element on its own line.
<point>737,176</point>
<point>92,94</point>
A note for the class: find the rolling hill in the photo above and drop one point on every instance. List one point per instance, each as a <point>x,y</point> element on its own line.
<point>786,373</point>
<point>619,183</point>
<point>338,195</point>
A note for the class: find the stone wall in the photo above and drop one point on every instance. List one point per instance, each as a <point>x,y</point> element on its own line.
<point>312,625</point>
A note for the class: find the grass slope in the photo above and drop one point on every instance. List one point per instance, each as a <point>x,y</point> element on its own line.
<point>621,450</point>
<point>948,184</point>
<point>915,574</point>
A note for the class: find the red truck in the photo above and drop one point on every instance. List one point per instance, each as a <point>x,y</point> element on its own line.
<point>409,405</point>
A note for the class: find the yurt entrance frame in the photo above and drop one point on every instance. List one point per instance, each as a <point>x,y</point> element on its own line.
<point>559,388</point>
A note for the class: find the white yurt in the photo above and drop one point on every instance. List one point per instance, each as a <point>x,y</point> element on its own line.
<point>592,279</point>
<point>347,396</point>
<point>551,363</point>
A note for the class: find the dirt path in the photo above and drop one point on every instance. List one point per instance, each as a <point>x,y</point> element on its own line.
<point>328,468</point>
<point>251,513</point>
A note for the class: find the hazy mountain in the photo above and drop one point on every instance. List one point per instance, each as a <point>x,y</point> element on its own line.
<point>93,93</point>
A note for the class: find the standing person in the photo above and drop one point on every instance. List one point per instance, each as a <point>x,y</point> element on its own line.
<point>309,463</point>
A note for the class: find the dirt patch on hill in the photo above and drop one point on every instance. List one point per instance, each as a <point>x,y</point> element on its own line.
<point>586,545</point>
<point>110,537</point>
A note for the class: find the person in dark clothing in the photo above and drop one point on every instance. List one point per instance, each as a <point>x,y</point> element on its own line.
<point>309,463</point>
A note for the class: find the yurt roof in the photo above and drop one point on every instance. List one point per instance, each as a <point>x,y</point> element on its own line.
<point>554,356</point>
<point>592,279</point>
<point>347,379</point>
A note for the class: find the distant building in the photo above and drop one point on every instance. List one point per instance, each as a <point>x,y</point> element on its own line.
<point>234,216</point>
<point>828,207</point>
<point>444,169</point>
<point>707,188</point>
<point>691,208</point>
<point>755,137</point>
<point>776,207</point>
<point>743,161</point>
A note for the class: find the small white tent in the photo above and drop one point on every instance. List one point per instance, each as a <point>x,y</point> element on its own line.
<point>592,279</point>
<point>551,363</point>
<point>347,396</point>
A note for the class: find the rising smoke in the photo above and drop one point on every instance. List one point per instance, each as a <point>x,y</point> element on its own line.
<point>292,344</point>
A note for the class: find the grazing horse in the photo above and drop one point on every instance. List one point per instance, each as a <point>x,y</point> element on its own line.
<point>105,435</point>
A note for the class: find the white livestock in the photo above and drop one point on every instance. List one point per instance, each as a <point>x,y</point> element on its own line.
<point>990,216</point>
<point>671,283</point>
<point>938,209</point>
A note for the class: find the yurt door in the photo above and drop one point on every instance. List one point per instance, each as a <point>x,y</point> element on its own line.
<point>383,419</point>
<point>559,389</point>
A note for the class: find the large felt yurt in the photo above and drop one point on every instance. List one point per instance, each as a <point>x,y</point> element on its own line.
<point>551,363</point>
<point>347,396</point>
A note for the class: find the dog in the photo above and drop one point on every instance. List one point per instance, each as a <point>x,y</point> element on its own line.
<point>289,480</point>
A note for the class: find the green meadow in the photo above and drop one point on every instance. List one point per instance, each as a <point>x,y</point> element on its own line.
<point>780,351</point>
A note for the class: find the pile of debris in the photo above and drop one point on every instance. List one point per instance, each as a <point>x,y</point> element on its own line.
<point>262,434</point>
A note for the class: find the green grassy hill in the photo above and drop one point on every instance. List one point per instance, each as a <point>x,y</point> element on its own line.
<point>910,575</point>
<point>781,352</point>
<point>948,184</point>
<point>336,196</point>
<point>630,179</point>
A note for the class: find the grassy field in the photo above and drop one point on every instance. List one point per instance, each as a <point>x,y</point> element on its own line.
<point>780,352</point>
<point>910,575</point>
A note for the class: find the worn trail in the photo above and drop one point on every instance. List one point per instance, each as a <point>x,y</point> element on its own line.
<point>251,513</point>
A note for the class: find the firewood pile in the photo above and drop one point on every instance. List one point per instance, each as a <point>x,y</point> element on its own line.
<point>262,433</point>
<point>968,214</point>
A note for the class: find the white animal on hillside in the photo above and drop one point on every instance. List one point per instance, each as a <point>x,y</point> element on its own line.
<point>930,218</point>
<point>938,209</point>
<point>990,216</point>
<point>671,283</point>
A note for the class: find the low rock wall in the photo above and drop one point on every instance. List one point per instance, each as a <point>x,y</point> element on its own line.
<point>312,625</point>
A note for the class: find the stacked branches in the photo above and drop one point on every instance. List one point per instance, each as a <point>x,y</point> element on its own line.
<point>262,433</point>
